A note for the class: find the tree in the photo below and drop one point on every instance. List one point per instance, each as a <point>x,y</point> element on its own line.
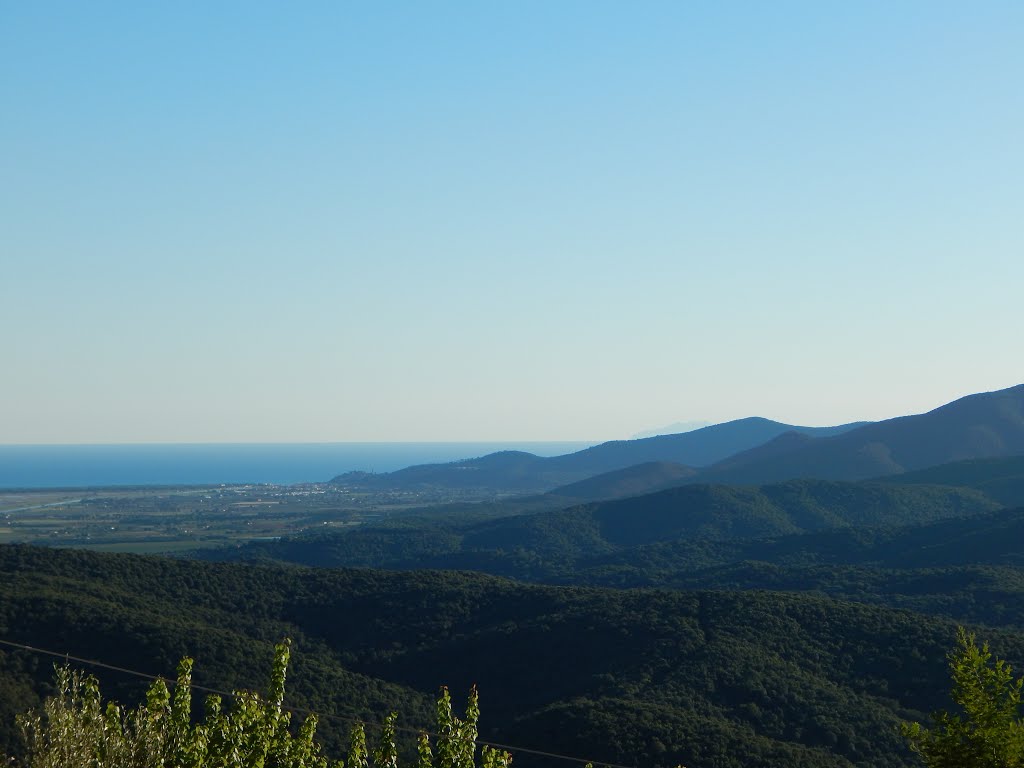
<point>988,732</point>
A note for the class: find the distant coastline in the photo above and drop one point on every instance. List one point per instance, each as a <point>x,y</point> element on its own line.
<point>63,466</point>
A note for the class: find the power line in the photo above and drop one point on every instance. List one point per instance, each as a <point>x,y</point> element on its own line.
<point>304,711</point>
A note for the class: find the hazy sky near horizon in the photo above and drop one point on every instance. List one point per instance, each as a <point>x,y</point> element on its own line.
<point>245,221</point>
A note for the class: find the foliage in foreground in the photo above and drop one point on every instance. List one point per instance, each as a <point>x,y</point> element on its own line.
<point>989,733</point>
<point>75,730</point>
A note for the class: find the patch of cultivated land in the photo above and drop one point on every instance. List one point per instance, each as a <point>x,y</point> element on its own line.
<point>169,519</point>
<point>23,499</point>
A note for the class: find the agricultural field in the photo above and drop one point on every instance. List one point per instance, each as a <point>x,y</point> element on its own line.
<point>169,519</point>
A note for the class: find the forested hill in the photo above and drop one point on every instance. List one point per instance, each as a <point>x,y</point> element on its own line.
<point>1001,479</point>
<point>969,569</point>
<point>547,544</point>
<point>991,539</point>
<point>987,425</point>
<point>658,678</point>
<point>524,472</point>
<point>636,480</point>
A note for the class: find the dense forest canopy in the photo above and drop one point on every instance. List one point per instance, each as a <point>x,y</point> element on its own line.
<point>655,676</point>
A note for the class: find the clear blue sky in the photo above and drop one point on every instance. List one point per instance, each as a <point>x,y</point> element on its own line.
<point>503,221</point>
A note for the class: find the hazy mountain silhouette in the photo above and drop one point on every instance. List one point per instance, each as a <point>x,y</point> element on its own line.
<point>671,429</point>
<point>523,472</point>
<point>978,426</point>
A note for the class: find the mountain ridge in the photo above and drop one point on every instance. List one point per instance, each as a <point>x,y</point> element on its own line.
<point>982,425</point>
<point>753,450</point>
<point>521,472</point>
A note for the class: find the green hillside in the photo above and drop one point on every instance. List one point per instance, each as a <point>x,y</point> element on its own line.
<point>992,539</point>
<point>631,481</point>
<point>548,545</point>
<point>1001,479</point>
<point>645,677</point>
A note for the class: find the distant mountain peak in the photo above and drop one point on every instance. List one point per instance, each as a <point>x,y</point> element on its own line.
<point>676,428</point>
<point>984,425</point>
<point>523,472</point>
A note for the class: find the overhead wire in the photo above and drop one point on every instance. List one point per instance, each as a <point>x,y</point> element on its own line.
<point>303,711</point>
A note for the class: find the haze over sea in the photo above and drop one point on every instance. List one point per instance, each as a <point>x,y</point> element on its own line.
<point>56,466</point>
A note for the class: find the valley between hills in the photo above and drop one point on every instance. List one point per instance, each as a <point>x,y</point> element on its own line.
<point>743,595</point>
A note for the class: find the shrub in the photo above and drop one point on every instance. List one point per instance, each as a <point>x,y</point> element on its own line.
<point>75,730</point>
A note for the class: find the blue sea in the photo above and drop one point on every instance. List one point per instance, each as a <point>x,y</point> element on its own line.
<point>59,466</point>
